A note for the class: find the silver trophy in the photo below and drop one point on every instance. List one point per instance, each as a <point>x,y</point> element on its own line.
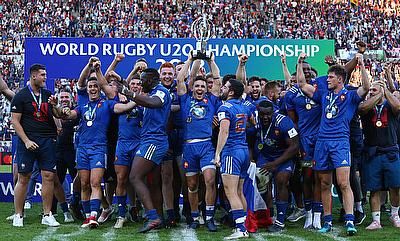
<point>202,29</point>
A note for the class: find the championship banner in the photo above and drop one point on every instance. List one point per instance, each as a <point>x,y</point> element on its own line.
<point>66,57</point>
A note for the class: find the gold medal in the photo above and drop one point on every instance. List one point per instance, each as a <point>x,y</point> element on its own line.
<point>329,115</point>
<point>89,123</point>
<point>379,123</point>
<point>308,106</point>
<point>260,146</point>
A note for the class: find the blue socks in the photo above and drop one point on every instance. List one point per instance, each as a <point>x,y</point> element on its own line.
<point>240,217</point>
<point>317,207</point>
<point>308,204</point>
<point>94,207</point>
<point>152,214</point>
<point>209,212</point>
<point>281,211</point>
<point>170,214</point>
<point>64,207</point>
<point>121,200</point>
<point>86,208</point>
<point>328,219</point>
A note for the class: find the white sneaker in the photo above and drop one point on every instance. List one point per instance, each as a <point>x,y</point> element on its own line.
<point>18,220</point>
<point>49,220</point>
<point>68,218</point>
<point>27,205</point>
<point>237,234</point>
<point>120,222</point>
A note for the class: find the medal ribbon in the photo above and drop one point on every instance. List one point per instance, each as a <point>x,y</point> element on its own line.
<point>379,110</point>
<point>39,104</point>
<point>266,134</point>
<point>92,111</point>
<point>332,100</point>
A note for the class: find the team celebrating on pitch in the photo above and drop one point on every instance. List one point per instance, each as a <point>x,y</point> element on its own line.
<point>160,133</point>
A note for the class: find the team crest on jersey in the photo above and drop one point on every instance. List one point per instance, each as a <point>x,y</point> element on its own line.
<point>205,100</point>
<point>198,111</point>
<point>342,97</point>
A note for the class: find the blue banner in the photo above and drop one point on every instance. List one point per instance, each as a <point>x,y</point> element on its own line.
<point>66,57</point>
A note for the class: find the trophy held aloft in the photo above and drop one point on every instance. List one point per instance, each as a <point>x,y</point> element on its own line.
<point>202,29</point>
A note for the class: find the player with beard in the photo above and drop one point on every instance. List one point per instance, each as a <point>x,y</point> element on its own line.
<point>332,149</point>
<point>153,147</point>
<point>254,96</point>
<point>198,153</point>
<point>277,142</point>
<point>379,115</point>
<point>232,151</point>
<point>130,126</point>
<point>65,154</point>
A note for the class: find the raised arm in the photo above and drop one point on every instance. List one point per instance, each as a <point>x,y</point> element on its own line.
<point>101,80</point>
<point>181,86</point>
<point>193,72</point>
<point>351,65</point>
<point>86,72</point>
<point>214,69</point>
<point>117,59</point>
<point>241,69</point>
<point>285,69</point>
<point>363,90</point>
<point>393,101</point>
<point>389,77</point>
<point>367,105</point>
<point>306,88</point>
<point>138,68</point>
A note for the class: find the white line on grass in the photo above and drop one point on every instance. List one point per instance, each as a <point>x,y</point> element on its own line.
<point>183,233</point>
<point>335,235</point>
<point>286,236</point>
<point>46,234</point>
<point>152,236</point>
<point>110,235</point>
<point>258,237</point>
<point>65,236</point>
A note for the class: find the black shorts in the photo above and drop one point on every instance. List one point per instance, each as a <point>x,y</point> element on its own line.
<point>44,155</point>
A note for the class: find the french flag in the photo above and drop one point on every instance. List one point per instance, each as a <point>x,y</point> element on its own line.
<point>257,212</point>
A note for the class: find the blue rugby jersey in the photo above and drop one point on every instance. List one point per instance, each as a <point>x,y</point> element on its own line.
<point>237,114</point>
<point>199,115</point>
